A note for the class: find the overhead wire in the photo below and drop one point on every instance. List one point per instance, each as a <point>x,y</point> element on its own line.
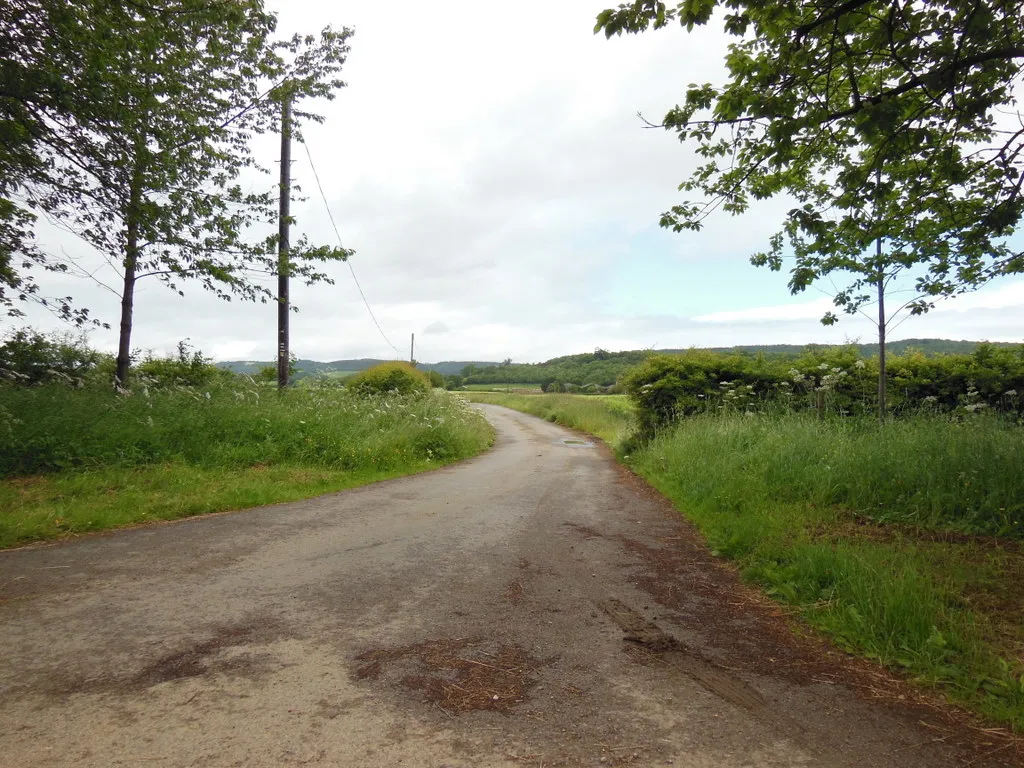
<point>355,279</point>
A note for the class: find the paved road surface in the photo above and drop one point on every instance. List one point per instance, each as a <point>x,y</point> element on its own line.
<point>473,616</point>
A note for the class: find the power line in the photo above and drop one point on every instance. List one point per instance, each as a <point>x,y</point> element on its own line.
<point>347,261</point>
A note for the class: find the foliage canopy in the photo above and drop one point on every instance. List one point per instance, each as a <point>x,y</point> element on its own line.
<point>884,119</point>
<point>131,125</point>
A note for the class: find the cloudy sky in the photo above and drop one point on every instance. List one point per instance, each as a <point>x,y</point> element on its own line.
<point>487,164</point>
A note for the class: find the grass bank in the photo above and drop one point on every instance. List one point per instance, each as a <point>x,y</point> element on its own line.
<point>609,417</point>
<point>880,536</point>
<point>75,460</point>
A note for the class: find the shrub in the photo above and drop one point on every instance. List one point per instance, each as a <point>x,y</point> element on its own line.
<point>30,357</point>
<point>666,386</point>
<point>389,377</point>
<point>436,379</point>
<point>190,368</point>
<point>834,379</point>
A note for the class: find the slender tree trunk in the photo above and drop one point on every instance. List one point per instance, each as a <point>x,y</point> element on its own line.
<point>124,344</point>
<point>132,218</point>
<point>882,404</point>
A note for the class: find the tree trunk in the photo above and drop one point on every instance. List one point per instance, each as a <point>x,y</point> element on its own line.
<point>131,264</point>
<point>124,343</point>
<point>882,404</point>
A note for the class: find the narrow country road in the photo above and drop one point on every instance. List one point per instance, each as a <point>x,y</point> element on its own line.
<point>535,606</point>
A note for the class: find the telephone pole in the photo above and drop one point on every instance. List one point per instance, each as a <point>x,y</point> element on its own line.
<point>282,243</point>
<point>412,350</point>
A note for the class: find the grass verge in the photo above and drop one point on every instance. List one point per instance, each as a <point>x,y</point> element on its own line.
<point>86,460</point>
<point>609,417</point>
<point>807,511</point>
<point>54,506</point>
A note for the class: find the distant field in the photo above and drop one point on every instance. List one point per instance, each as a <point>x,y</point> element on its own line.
<point>609,417</point>
<point>332,374</point>
<point>518,389</point>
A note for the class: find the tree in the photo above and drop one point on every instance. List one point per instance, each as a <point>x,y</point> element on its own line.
<point>150,174</point>
<point>44,85</point>
<point>882,119</point>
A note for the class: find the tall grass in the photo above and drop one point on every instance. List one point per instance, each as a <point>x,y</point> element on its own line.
<point>609,417</point>
<point>89,459</point>
<point>800,506</point>
<point>927,471</point>
<point>53,428</point>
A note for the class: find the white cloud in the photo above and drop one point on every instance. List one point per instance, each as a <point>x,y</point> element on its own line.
<point>809,310</point>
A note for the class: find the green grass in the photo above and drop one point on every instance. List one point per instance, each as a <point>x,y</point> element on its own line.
<point>609,417</point>
<point>512,388</point>
<point>53,506</point>
<point>336,375</point>
<point>868,531</point>
<point>87,459</point>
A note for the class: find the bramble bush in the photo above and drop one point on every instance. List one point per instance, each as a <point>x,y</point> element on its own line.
<point>190,368</point>
<point>29,357</point>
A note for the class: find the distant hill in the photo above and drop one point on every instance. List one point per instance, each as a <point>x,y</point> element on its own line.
<point>598,367</point>
<point>314,367</point>
<point>925,346</point>
<point>604,368</point>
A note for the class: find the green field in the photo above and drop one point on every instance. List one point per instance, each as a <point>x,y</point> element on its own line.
<point>609,417</point>
<point>329,375</point>
<point>504,387</point>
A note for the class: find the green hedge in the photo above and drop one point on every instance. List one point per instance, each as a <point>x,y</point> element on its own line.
<point>666,387</point>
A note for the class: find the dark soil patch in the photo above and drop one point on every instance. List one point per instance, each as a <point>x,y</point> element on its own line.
<point>458,674</point>
<point>204,658</point>
<point>514,592</point>
<point>585,531</point>
<point>201,658</point>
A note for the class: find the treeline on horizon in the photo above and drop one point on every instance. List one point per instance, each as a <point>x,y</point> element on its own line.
<point>605,369</point>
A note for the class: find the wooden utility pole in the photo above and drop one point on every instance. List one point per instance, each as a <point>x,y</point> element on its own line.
<point>883,405</point>
<point>412,350</point>
<point>283,305</point>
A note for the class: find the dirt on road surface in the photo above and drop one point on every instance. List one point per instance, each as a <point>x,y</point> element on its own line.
<point>535,606</point>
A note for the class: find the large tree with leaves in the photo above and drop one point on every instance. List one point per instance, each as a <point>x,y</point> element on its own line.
<point>43,88</point>
<point>891,123</point>
<point>150,172</point>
